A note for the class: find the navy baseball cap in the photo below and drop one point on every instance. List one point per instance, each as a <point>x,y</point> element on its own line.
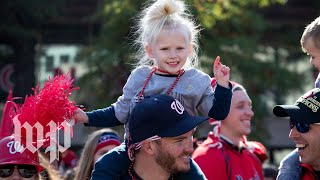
<point>160,115</point>
<point>304,110</point>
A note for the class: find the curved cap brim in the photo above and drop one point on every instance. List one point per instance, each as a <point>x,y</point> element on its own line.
<point>183,126</point>
<point>295,113</point>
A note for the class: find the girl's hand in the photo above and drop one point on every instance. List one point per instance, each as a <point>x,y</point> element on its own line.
<point>80,116</point>
<point>221,73</point>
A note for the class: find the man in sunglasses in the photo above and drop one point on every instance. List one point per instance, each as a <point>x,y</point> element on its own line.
<point>17,164</point>
<point>305,131</point>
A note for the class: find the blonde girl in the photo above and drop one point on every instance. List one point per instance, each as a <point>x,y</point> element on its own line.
<point>167,46</point>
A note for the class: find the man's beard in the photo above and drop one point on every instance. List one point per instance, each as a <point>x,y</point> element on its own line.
<point>168,163</point>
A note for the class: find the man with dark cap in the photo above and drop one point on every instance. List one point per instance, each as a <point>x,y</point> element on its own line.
<point>160,141</point>
<point>305,131</point>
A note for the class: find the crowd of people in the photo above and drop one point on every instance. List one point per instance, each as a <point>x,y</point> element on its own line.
<point>160,108</point>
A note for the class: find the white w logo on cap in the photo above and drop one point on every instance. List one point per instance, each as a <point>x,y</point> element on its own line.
<point>15,147</point>
<point>177,106</point>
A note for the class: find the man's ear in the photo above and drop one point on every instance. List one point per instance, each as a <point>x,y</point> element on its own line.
<point>149,51</point>
<point>147,147</point>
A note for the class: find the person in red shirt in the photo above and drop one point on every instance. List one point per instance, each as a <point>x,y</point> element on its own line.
<point>224,154</point>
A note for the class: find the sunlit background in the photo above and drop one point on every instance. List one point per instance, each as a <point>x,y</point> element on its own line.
<point>91,39</point>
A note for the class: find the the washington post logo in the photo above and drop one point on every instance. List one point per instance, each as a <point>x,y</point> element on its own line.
<point>50,139</point>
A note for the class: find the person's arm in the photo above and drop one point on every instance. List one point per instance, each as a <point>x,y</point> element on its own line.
<point>221,103</point>
<point>317,82</point>
<point>102,118</point>
<point>223,93</point>
<point>289,168</point>
<point>118,112</point>
<point>112,165</point>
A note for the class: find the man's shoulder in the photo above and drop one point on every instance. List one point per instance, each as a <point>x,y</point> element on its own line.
<point>210,149</point>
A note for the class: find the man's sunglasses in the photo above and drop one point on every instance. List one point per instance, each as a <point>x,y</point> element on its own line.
<point>301,127</point>
<point>25,171</point>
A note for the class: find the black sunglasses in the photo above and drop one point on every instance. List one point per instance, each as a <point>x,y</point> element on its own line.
<point>25,171</point>
<point>301,127</point>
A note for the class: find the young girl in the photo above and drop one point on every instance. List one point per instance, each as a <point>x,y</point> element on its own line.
<point>167,54</point>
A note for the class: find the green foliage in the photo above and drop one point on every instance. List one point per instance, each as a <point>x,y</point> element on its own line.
<point>20,18</point>
<point>108,57</point>
<point>233,29</point>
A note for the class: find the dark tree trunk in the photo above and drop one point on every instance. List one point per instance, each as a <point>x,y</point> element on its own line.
<point>24,67</point>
